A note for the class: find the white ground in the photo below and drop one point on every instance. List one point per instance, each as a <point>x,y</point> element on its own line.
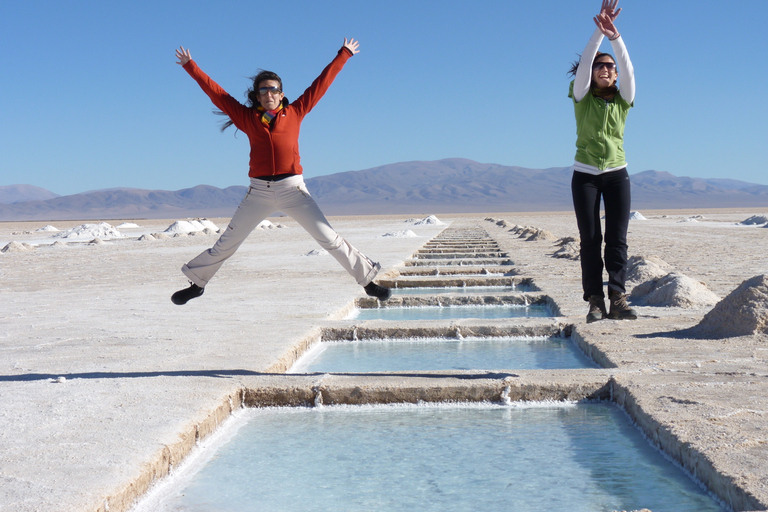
<point>99,371</point>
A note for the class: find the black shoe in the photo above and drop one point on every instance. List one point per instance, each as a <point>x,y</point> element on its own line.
<point>596,309</point>
<point>380,292</point>
<point>620,310</point>
<point>187,294</point>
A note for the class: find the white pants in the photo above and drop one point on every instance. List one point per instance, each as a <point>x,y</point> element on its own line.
<point>291,197</point>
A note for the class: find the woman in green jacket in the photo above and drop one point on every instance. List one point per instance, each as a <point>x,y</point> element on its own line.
<point>600,169</point>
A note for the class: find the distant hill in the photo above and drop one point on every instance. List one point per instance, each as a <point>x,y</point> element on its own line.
<point>10,194</point>
<point>443,186</point>
<point>129,203</point>
<point>459,185</point>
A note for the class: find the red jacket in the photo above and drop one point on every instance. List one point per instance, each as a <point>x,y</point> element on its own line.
<point>275,150</point>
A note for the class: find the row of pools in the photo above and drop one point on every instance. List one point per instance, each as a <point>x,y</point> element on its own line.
<point>552,456</point>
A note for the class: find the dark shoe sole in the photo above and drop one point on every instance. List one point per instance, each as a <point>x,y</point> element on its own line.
<point>380,292</point>
<point>594,318</point>
<point>625,315</point>
<point>181,297</point>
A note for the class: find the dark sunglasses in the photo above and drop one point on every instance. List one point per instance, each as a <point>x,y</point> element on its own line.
<point>273,90</point>
<point>610,66</point>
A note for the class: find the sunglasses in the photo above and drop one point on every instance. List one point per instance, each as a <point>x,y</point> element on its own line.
<point>270,90</point>
<point>610,66</point>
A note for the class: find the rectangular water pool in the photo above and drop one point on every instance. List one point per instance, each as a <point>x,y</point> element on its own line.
<point>438,290</point>
<point>429,354</point>
<point>451,312</point>
<point>450,458</point>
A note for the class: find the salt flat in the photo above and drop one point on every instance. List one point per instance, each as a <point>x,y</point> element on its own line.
<point>100,372</point>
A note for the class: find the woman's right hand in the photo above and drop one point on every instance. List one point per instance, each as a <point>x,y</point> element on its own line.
<point>183,55</point>
<point>606,26</point>
<point>604,20</point>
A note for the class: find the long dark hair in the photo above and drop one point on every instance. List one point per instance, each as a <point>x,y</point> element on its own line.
<point>252,94</point>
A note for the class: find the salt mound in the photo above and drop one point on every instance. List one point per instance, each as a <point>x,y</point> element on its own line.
<point>400,234</point>
<point>431,220</point>
<point>676,290</point>
<point>102,230</point>
<point>59,244</point>
<point>146,238</point>
<point>503,223</point>
<point>526,231</point>
<point>641,269</point>
<point>97,241</point>
<point>567,240</point>
<point>184,226</point>
<point>743,312</point>
<point>127,225</point>
<point>159,236</point>
<point>265,224</point>
<point>754,220</point>
<point>191,226</point>
<point>47,228</point>
<point>636,216</point>
<point>569,251</point>
<point>18,247</point>
<point>541,234</point>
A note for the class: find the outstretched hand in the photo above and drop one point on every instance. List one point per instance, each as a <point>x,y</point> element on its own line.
<point>352,45</point>
<point>183,55</point>
<point>606,26</point>
<point>609,8</point>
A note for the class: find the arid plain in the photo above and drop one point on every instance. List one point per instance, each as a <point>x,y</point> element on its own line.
<point>102,377</point>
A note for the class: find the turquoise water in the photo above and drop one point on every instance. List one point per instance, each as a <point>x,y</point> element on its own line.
<point>443,354</point>
<point>438,290</point>
<point>575,458</point>
<point>450,312</point>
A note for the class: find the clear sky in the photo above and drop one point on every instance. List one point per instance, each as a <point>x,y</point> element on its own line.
<point>92,98</point>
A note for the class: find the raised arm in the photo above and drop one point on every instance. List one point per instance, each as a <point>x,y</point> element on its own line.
<point>605,24</point>
<point>626,70</point>
<point>314,92</point>
<point>583,77</point>
<point>236,111</point>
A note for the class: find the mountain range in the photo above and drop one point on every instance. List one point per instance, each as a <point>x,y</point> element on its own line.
<point>444,186</point>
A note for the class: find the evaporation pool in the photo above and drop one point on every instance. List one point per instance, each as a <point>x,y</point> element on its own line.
<point>574,458</point>
<point>431,354</point>
<point>486,312</point>
<point>437,290</point>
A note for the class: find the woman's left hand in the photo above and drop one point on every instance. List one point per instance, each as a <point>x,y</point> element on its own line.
<point>609,7</point>
<point>352,45</point>
<point>605,23</point>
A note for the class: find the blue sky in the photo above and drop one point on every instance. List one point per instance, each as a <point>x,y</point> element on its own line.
<point>92,97</point>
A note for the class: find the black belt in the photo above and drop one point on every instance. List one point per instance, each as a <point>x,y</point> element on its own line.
<point>275,177</point>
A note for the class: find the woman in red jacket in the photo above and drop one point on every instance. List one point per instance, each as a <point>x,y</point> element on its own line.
<point>272,126</point>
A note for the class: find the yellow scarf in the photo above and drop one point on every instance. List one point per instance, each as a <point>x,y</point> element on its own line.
<point>268,115</point>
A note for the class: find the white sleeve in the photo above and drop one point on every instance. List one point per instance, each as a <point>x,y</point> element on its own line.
<point>584,72</point>
<point>626,71</point>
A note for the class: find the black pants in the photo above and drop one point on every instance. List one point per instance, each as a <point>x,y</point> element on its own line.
<point>615,190</point>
